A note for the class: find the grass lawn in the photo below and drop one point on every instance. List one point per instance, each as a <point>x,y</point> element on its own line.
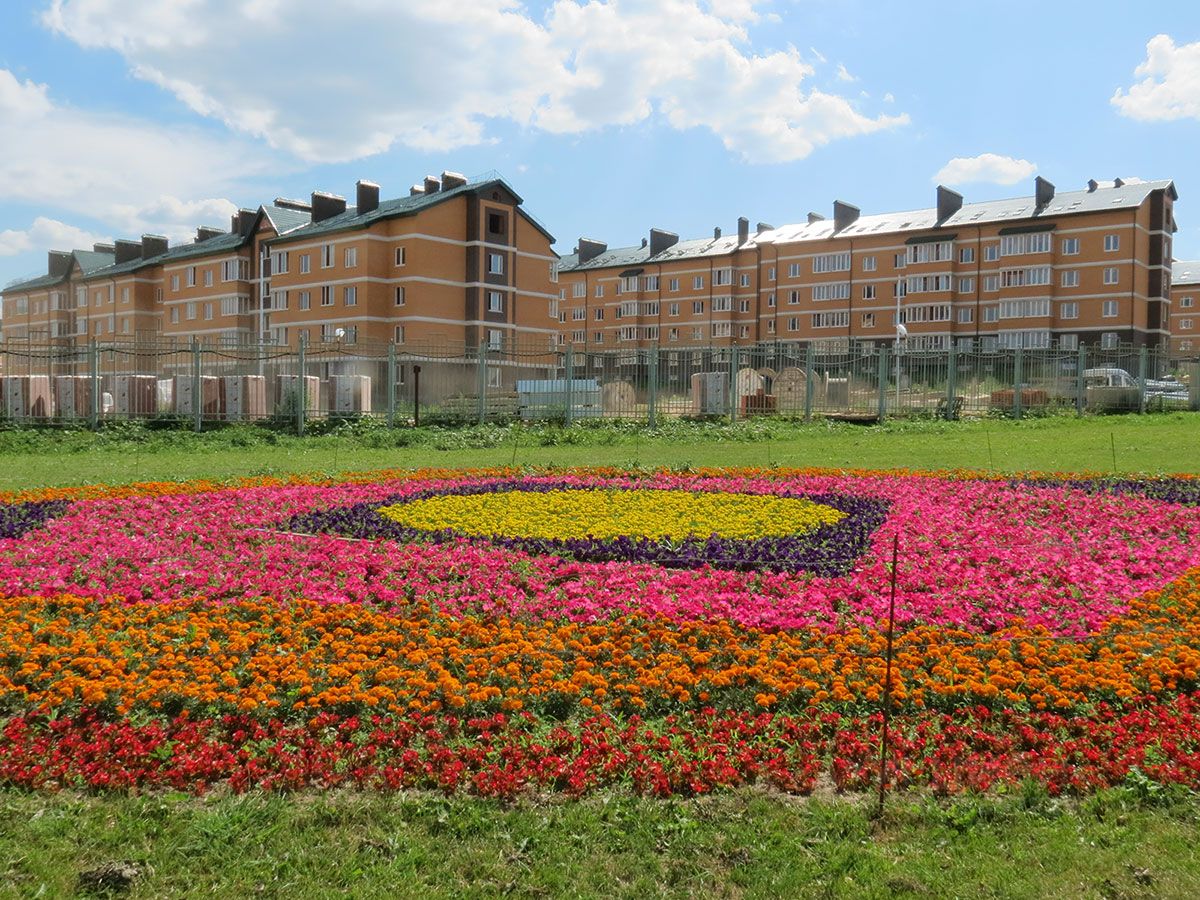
<point>1126,842</point>
<point>734,845</point>
<point>1149,444</point>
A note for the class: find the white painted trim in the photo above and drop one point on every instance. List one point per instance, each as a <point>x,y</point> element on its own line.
<point>411,235</point>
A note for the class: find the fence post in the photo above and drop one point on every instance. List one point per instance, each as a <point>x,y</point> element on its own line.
<point>481,377</point>
<point>951,381</point>
<point>94,372</point>
<point>808,381</point>
<point>1080,385</point>
<point>881,374</point>
<point>568,393</point>
<point>733,396</point>
<point>652,399</point>
<point>1142,360</point>
<point>302,390</point>
<point>197,394</point>
<point>1018,374</point>
<point>391,385</point>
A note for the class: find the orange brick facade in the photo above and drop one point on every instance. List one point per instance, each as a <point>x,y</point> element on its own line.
<point>454,263</point>
<point>1185,309</point>
<point>460,264</point>
<point>1056,270</point>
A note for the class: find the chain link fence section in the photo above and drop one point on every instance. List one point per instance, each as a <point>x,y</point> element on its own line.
<point>205,384</point>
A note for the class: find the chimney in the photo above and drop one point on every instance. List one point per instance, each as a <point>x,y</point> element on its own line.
<point>326,206</point>
<point>452,180</point>
<point>589,249</point>
<point>763,226</point>
<point>104,248</point>
<point>716,234</point>
<point>1043,191</point>
<point>245,221</point>
<point>1092,184</point>
<point>660,240</point>
<point>815,217</point>
<point>948,202</point>
<point>432,185</point>
<point>743,230</point>
<point>844,214</point>
<point>128,251</point>
<point>153,245</point>
<point>298,205</point>
<point>366,197</point>
<point>416,190</point>
<point>204,233</point>
<point>1118,182</point>
<point>643,243</point>
<point>58,263</point>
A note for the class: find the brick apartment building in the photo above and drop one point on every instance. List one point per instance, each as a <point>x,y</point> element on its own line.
<point>1185,308</point>
<point>1053,269</point>
<point>454,263</point>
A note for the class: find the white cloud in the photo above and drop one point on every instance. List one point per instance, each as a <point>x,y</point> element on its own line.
<point>170,216</point>
<point>843,74</point>
<point>1170,85</point>
<point>989,167</point>
<point>108,173</point>
<point>47,234</point>
<point>333,82</point>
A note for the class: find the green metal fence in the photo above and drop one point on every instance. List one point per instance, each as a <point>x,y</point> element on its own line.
<point>204,384</point>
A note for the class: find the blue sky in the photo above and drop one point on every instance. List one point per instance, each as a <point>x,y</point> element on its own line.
<point>119,117</point>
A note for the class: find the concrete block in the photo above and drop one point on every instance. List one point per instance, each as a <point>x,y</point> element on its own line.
<point>244,397</point>
<point>135,395</point>
<point>287,387</point>
<point>27,396</point>
<point>73,396</point>
<point>209,388</point>
<point>351,394</point>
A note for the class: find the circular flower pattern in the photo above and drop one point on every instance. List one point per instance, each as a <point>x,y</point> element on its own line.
<point>574,513</point>
<point>667,632</point>
<point>781,532</point>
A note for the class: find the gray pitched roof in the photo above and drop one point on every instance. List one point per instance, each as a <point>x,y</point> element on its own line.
<point>34,284</point>
<point>1185,271</point>
<point>286,219</point>
<point>1131,194</point>
<point>1020,209</point>
<point>402,206</point>
<point>223,243</point>
<point>636,256</point>
<point>89,260</point>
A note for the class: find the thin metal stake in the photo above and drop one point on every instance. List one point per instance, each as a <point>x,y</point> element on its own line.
<point>887,680</point>
<point>1112,439</point>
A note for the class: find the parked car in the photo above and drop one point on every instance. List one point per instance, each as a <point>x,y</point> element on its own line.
<point>1168,388</point>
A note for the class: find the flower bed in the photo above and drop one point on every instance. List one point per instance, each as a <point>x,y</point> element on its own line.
<point>709,629</point>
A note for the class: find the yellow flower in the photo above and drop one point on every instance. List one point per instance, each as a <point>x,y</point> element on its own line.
<point>655,514</point>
